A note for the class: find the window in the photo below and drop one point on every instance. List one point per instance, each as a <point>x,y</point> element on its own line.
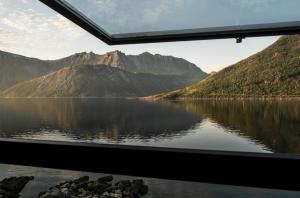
<point>205,103</point>
<point>154,21</point>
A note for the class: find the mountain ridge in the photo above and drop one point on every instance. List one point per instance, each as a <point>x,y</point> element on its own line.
<point>93,81</point>
<point>272,72</point>
<point>15,68</point>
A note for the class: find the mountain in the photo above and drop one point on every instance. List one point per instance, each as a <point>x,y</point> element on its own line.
<point>275,71</point>
<point>154,64</point>
<point>15,69</point>
<point>142,63</point>
<point>94,81</point>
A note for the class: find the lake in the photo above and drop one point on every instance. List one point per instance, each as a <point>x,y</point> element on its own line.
<point>234,125</point>
<point>231,125</point>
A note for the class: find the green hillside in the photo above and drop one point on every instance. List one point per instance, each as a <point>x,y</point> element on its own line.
<point>275,71</point>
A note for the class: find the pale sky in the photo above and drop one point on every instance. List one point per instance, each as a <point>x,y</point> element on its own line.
<point>29,28</point>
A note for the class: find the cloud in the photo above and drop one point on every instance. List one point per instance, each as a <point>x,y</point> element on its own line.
<point>129,15</point>
<point>32,22</point>
<point>32,29</point>
<point>25,27</point>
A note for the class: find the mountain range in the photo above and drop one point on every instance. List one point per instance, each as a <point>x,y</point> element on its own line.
<point>113,74</point>
<point>273,72</point>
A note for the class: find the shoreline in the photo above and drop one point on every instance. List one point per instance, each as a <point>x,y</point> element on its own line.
<point>223,98</point>
<point>151,98</point>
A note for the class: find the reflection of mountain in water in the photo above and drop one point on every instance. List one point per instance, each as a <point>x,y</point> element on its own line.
<point>275,124</point>
<point>93,118</point>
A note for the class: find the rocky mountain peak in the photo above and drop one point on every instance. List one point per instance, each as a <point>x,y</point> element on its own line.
<point>85,55</point>
<point>146,54</point>
<point>115,54</point>
<point>21,68</point>
<point>113,58</point>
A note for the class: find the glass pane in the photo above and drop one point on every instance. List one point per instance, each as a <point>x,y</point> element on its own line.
<point>127,16</point>
<point>158,188</point>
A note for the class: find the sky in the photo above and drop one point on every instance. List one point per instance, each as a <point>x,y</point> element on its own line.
<point>29,28</point>
<point>125,16</point>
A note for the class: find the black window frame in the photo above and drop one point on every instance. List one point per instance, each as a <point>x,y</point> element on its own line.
<point>239,32</point>
<point>264,170</point>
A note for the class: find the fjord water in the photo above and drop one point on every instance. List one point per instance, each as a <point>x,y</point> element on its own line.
<point>235,125</point>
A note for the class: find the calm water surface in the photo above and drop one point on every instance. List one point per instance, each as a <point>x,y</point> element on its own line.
<point>253,126</point>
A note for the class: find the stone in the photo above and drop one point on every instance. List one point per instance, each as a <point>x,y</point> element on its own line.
<point>82,185</point>
<point>144,190</point>
<point>111,189</point>
<point>66,191</point>
<point>124,183</point>
<point>100,188</point>
<point>11,187</point>
<point>105,179</point>
<point>73,186</point>
<point>65,185</point>
<point>81,179</point>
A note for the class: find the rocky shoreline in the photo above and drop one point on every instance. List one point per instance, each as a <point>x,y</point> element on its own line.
<point>11,187</point>
<point>82,187</point>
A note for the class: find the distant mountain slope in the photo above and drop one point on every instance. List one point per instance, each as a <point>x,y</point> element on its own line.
<point>94,81</point>
<point>154,64</point>
<point>142,63</point>
<point>15,68</point>
<point>275,71</point>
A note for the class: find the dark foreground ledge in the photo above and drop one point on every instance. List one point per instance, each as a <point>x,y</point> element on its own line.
<point>278,171</point>
<point>11,187</point>
<point>103,187</point>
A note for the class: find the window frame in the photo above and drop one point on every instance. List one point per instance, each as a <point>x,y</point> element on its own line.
<point>237,32</point>
<point>262,170</point>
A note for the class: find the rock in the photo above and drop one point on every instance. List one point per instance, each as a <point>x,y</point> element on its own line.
<point>65,185</point>
<point>100,188</point>
<point>111,189</point>
<point>73,186</point>
<point>82,185</point>
<point>53,194</point>
<point>66,192</point>
<point>11,187</point>
<point>105,179</point>
<point>81,179</point>
<point>123,184</point>
<point>144,190</point>
<point>138,185</point>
